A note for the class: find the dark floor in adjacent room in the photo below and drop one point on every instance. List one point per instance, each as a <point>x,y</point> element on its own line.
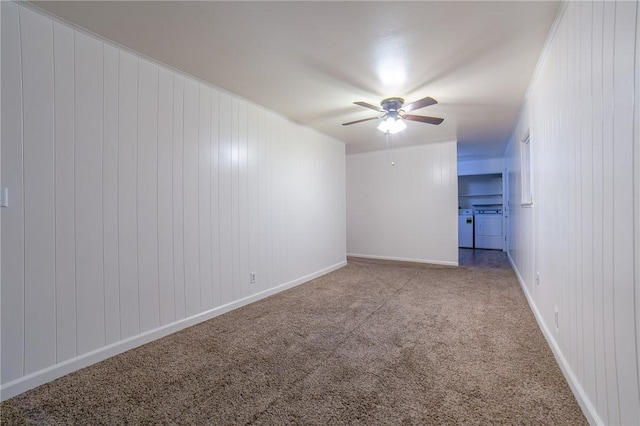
<point>376,342</point>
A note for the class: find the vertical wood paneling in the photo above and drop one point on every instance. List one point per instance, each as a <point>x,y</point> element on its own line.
<point>148,195</point>
<point>276,190</point>
<point>215,198</point>
<point>204,198</point>
<point>608,208</point>
<point>224,197</point>
<point>315,169</point>
<point>178,196</point>
<point>339,221</point>
<point>636,186</point>
<point>165,197</point>
<point>274,195</point>
<point>598,188</point>
<point>243,200</point>
<point>88,186</point>
<point>268,176</point>
<point>583,122</point>
<point>253,206</point>
<point>574,217</point>
<point>561,198</point>
<point>565,199</point>
<point>235,199</point>
<point>127,194</point>
<point>623,288</point>
<point>289,135</point>
<point>64,192</point>
<point>190,194</point>
<point>586,214</point>
<point>297,204</point>
<point>12,217</point>
<point>110,195</point>
<point>261,152</point>
<point>36,33</point>
<point>288,159</point>
<point>441,164</point>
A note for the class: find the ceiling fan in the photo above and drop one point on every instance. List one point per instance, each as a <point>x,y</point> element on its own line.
<point>394,112</point>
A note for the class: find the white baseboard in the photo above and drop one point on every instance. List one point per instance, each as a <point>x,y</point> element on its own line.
<point>404,259</point>
<point>48,374</point>
<point>578,391</point>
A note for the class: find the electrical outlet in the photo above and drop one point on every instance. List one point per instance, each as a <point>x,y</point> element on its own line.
<point>537,278</point>
<point>253,277</point>
<point>557,318</point>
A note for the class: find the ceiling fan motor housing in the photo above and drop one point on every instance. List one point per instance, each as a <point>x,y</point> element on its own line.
<point>392,104</point>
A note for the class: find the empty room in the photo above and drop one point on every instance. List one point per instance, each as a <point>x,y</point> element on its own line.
<point>320,212</point>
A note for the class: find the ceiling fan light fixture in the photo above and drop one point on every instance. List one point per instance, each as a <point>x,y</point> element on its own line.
<point>392,125</point>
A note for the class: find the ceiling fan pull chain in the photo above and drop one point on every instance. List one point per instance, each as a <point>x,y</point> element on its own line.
<point>390,148</point>
<point>393,163</point>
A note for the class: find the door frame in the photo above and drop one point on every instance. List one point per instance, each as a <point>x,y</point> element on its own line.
<point>505,209</point>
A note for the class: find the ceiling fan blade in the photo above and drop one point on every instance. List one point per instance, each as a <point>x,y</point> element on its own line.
<point>425,102</point>
<point>423,119</point>
<point>366,105</point>
<point>359,121</point>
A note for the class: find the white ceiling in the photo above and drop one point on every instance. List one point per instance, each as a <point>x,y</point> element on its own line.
<point>310,60</point>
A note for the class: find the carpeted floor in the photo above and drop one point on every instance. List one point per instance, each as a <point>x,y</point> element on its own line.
<point>375,342</point>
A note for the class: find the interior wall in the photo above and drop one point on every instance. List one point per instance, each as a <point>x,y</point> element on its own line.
<point>480,167</point>
<point>141,199</point>
<point>579,233</point>
<point>405,212</point>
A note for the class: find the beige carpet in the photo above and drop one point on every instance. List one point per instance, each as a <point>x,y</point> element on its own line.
<point>372,343</point>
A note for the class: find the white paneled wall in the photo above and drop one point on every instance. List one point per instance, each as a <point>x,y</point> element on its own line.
<point>579,233</point>
<point>140,200</point>
<point>407,211</point>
